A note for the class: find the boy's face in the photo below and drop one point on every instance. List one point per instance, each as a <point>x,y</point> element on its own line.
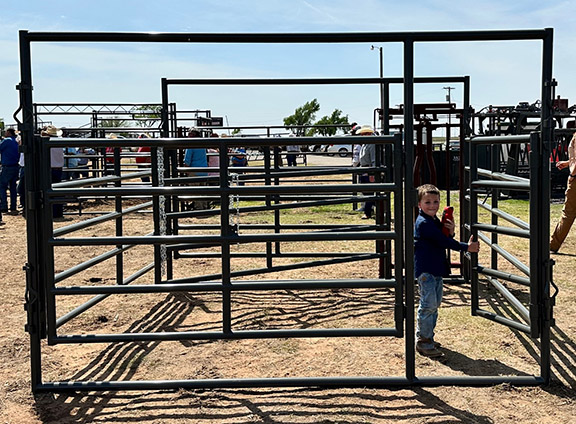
<point>429,204</point>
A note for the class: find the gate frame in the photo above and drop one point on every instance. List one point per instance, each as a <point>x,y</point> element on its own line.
<point>38,224</point>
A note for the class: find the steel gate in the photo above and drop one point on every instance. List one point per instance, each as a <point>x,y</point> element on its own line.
<point>43,286</point>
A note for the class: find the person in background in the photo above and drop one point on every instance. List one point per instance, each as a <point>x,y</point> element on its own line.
<point>83,161</point>
<point>292,153</point>
<point>9,157</point>
<point>239,160</point>
<point>213,159</point>
<point>21,187</point>
<point>56,165</point>
<point>71,163</point>
<point>367,158</point>
<point>144,160</point>
<point>196,158</point>
<point>569,210</point>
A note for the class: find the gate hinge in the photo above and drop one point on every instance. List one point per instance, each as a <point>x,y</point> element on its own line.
<point>550,302</point>
<point>34,200</point>
<point>22,86</point>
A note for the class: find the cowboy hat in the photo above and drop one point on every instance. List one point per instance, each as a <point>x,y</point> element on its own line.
<point>366,129</point>
<point>51,131</point>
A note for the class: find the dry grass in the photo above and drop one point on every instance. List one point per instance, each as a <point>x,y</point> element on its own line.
<point>473,346</point>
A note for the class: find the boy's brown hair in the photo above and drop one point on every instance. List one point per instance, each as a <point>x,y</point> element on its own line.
<point>427,189</point>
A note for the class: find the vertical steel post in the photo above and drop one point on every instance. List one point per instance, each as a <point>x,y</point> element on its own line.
<point>35,295</point>
<point>399,310</point>
<point>544,266</point>
<point>118,220</point>
<point>156,216</point>
<point>472,219</point>
<point>410,197</point>
<point>225,232</point>
<point>495,167</point>
<point>268,181</point>
<point>464,181</point>
<point>170,170</point>
<point>390,169</point>
<point>47,233</point>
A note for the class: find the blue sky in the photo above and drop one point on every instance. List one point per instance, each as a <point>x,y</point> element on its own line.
<point>501,73</point>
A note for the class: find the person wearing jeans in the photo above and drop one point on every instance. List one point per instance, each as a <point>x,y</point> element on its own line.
<point>9,157</point>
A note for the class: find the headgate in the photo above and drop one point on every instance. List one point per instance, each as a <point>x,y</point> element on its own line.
<point>44,284</point>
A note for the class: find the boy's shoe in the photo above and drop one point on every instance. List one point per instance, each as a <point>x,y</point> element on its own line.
<point>429,353</point>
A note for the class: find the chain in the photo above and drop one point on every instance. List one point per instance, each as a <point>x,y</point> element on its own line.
<point>235,204</point>
<point>162,211</point>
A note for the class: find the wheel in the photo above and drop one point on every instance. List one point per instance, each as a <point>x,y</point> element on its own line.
<point>343,152</point>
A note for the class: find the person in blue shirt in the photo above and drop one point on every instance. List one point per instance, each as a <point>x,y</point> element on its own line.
<point>196,157</point>
<point>431,264</point>
<point>9,157</point>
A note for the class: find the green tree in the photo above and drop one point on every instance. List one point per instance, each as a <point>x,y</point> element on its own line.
<point>114,122</point>
<point>303,115</point>
<point>335,119</point>
<point>2,126</point>
<point>148,115</point>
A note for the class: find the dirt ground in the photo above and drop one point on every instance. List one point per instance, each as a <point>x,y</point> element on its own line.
<point>472,346</point>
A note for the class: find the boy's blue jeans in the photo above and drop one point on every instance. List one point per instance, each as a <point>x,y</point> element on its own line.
<point>430,288</point>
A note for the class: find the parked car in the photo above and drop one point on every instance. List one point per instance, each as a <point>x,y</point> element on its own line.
<point>343,150</point>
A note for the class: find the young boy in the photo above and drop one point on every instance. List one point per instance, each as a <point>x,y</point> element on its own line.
<point>430,265</point>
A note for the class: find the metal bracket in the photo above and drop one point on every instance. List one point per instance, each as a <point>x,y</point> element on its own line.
<point>34,200</point>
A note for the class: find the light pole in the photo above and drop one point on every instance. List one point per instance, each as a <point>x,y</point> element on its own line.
<point>448,137</point>
<point>449,100</point>
<point>382,95</point>
<point>373,47</point>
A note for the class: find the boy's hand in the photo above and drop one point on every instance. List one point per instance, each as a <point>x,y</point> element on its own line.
<point>449,225</point>
<point>473,246</point>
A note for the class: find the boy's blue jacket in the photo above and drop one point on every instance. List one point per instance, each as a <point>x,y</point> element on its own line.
<point>430,247</point>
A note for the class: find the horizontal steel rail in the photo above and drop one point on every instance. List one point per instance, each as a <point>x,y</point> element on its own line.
<point>273,254</point>
<point>502,230</point>
<point>238,239</point>
<point>501,139</point>
<point>264,189</point>
<point>506,255</point>
<point>97,299</point>
<point>99,180</point>
<point>217,335</point>
<point>501,185</point>
<point>256,285</point>
<point>278,38</point>
<point>504,215</point>
<point>61,276</point>
<point>300,81</point>
<point>503,320</point>
<point>99,219</point>
<point>223,143</point>
<point>324,382</point>
<point>499,175</point>
<point>518,306</point>
<point>504,275</point>
<point>276,268</point>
